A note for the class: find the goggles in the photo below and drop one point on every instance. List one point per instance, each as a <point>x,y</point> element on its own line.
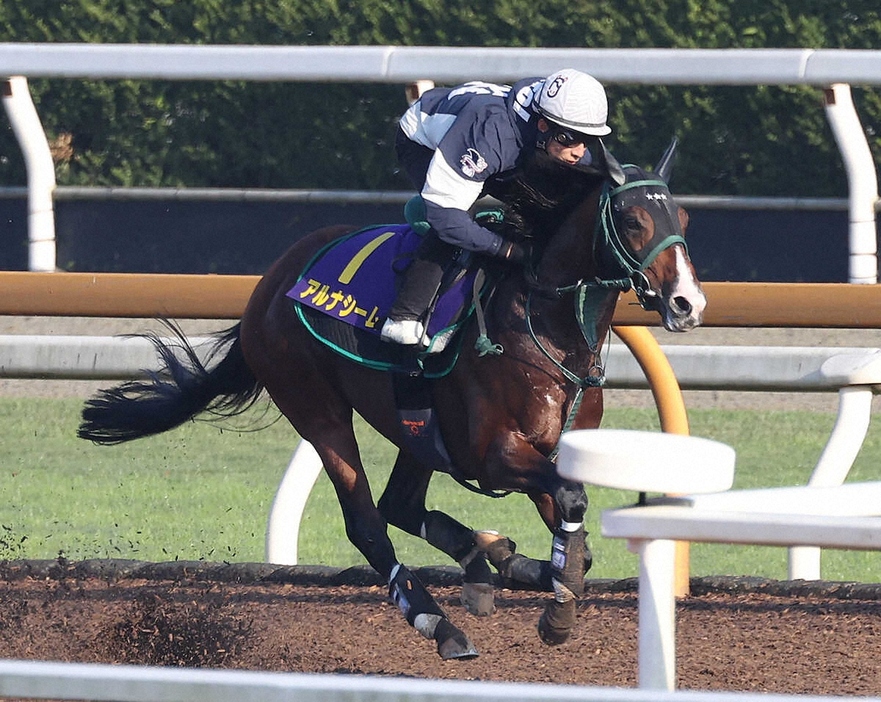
<point>568,138</point>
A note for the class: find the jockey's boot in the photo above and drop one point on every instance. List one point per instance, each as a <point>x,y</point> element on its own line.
<point>420,283</point>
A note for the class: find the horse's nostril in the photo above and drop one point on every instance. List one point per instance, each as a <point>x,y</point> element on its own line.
<point>682,304</point>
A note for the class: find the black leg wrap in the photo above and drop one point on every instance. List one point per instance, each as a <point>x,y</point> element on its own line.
<point>517,569</point>
<point>520,570</point>
<point>447,535</point>
<point>567,577</point>
<point>411,597</point>
<point>426,616</point>
<point>530,571</point>
<point>477,570</point>
<point>567,559</point>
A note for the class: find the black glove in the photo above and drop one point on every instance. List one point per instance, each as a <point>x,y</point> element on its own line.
<point>514,253</point>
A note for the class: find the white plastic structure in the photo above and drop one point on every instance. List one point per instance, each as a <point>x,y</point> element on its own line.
<point>862,183</point>
<point>858,378</point>
<point>843,517</point>
<point>646,461</point>
<point>29,132</point>
<point>834,517</point>
<point>283,530</point>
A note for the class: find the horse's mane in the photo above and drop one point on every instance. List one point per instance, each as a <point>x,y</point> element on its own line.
<point>540,195</point>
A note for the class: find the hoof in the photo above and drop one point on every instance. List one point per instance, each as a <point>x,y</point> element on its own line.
<point>478,599</point>
<point>452,644</point>
<point>556,622</point>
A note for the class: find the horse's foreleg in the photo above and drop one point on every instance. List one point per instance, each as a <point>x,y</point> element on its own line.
<point>403,505</point>
<point>567,564</point>
<point>515,463</point>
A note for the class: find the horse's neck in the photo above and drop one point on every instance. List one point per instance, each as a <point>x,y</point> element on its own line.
<point>568,257</point>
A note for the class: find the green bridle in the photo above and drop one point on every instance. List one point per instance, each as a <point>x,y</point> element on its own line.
<point>621,268</point>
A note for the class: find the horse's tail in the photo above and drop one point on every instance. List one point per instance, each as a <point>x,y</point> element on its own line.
<point>183,388</point>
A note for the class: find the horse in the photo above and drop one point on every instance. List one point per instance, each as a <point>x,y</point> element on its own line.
<point>499,410</point>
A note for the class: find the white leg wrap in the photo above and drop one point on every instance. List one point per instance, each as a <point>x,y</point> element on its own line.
<point>472,554</point>
<point>425,624</point>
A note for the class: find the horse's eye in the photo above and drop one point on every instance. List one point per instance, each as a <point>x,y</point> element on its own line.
<point>632,224</point>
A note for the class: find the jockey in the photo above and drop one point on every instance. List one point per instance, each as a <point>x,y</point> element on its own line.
<point>453,141</point>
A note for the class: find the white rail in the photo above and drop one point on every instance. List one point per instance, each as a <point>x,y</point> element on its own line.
<point>406,64</point>
<point>854,373</point>
<point>834,69</point>
<point>748,368</point>
<point>127,683</point>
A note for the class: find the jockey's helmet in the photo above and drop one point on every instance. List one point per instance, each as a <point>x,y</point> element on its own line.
<point>574,100</point>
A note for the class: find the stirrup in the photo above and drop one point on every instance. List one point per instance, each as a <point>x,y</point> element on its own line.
<point>406,331</point>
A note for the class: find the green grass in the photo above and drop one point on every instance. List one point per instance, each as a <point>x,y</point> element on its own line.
<point>202,493</point>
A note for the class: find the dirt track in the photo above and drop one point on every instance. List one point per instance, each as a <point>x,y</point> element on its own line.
<point>732,634</point>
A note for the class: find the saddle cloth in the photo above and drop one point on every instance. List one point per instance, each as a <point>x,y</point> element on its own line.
<point>344,294</point>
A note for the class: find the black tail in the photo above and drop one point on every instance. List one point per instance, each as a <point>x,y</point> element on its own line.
<point>180,390</point>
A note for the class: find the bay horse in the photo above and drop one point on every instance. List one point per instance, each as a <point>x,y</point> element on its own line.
<point>499,415</point>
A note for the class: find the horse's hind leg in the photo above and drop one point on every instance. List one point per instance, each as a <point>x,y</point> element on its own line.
<point>368,532</point>
<point>517,569</point>
<point>403,505</point>
<point>331,433</point>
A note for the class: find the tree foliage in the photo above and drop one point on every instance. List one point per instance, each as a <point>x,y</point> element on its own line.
<point>763,140</point>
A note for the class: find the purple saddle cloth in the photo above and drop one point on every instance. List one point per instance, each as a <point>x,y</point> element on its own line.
<point>352,280</point>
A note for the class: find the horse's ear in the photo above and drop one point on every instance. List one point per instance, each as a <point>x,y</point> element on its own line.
<point>611,165</point>
<point>664,169</point>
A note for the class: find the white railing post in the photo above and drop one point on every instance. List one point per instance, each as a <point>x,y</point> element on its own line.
<point>862,182</point>
<point>657,613</point>
<point>839,454</point>
<point>283,529</point>
<point>41,172</point>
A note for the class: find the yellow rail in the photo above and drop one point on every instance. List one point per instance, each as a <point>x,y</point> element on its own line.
<point>838,305</point>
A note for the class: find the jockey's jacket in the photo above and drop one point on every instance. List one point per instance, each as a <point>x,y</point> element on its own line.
<point>478,131</point>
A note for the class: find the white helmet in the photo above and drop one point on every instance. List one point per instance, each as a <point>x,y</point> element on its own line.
<point>576,100</point>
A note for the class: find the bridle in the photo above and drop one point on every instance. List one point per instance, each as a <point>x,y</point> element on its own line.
<point>621,268</point>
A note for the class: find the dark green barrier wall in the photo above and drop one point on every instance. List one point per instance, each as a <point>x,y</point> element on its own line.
<point>244,238</point>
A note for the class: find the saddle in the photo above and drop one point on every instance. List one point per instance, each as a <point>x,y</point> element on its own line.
<point>344,293</point>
